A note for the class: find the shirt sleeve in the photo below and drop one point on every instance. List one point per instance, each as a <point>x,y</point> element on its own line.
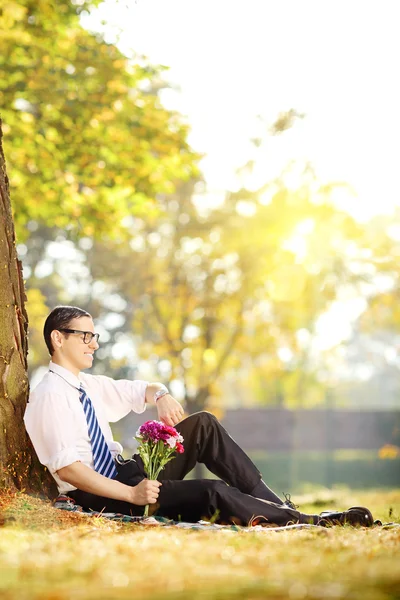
<point>120,396</point>
<point>50,424</point>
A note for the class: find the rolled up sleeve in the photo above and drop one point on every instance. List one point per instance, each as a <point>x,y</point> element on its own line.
<point>51,427</point>
<point>121,396</point>
<point>64,458</point>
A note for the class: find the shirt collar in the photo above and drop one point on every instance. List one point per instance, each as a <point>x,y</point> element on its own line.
<point>65,374</point>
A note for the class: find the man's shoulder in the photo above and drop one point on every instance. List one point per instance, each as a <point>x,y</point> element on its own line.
<point>93,380</point>
<point>46,388</point>
<point>106,383</point>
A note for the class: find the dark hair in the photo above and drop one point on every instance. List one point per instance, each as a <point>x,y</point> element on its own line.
<point>59,318</point>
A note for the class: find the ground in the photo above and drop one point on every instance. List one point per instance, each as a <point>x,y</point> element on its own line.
<point>49,554</point>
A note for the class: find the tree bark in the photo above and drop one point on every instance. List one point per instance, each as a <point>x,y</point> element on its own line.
<point>19,467</point>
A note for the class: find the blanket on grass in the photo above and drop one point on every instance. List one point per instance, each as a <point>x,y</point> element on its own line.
<point>67,503</point>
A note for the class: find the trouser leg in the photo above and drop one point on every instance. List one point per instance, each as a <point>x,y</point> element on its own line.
<point>92,502</point>
<point>129,472</point>
<point>192,500</point>
<point>206,441</point>
<point>265,493</point>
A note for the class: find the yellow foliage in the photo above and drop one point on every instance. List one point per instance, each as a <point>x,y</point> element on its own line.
<point>37,311</point>
<point>11,12</point>
<point>66,108</point>
<point>210,357</point>
<point>36,305</point>
<point>389,451</point>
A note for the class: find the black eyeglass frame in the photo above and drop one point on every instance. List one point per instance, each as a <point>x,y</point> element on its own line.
<point>86,339</point>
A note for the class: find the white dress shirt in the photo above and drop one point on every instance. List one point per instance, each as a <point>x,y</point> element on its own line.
<point>56,422</point>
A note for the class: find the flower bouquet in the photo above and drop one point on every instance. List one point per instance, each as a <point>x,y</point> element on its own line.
<point>157,446</point>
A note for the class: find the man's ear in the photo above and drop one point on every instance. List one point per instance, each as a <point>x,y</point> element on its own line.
<point>56,339</point>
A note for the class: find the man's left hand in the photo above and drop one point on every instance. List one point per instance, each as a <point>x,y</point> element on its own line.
<point>169,410</point>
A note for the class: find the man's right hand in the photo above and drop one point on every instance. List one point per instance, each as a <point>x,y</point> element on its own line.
<point>86,479</point>
<point>145,492</point>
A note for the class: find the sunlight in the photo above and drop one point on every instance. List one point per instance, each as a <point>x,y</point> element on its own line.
<point>336,324</point>
<point>349,129</point>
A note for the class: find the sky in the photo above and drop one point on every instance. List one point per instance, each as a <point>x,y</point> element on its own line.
<point>336,62</point>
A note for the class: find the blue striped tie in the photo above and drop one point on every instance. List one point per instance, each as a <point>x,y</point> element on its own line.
<point>102,457</point>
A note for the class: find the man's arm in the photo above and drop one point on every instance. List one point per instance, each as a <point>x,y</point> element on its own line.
<point>121,396</point>
<point>169,410</point>
<point>87,480</point>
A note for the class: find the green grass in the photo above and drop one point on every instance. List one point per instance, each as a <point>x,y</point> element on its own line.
<point>53,555</point>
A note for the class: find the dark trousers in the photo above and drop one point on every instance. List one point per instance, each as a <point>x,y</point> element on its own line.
<point>228,499</point>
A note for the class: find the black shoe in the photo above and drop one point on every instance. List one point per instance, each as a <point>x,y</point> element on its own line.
<point>288,502</point>
<point>356,516</point>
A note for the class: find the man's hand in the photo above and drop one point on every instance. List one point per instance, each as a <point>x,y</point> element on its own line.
<point>169,410</point>
<point>145,492</point>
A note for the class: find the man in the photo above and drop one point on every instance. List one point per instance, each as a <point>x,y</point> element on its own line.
<point>68,418</point>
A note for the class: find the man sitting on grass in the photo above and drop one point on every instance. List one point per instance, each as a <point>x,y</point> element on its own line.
<point>68,418</point>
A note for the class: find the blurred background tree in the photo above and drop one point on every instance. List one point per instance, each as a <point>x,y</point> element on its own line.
<point>89,144</point>
<point>85,130</point>
<point>223,301</point>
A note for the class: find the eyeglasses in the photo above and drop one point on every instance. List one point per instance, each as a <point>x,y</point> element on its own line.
<point>87,335</point>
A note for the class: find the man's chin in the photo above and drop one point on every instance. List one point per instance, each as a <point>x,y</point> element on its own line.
<point>86,362</point>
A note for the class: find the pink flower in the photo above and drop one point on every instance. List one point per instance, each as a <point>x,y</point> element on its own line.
<point>171,441</point>
<point>179,448</point>
<point>171,430</point>
<point>154,431</point>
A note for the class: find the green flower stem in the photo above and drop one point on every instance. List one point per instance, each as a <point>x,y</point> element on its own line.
<point>155,457</point>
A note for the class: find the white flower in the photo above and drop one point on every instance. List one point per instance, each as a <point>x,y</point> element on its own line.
<point>179,439</point>
<point>171,441</point>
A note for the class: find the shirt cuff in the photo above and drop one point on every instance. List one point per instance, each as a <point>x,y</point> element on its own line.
<point>62,459</point>
<point>115,448</point>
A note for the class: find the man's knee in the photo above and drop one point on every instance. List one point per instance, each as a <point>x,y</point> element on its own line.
<point>204,417</point>
<point>215,487</point>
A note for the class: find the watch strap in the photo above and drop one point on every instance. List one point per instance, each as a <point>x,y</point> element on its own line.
<point>160,393</point>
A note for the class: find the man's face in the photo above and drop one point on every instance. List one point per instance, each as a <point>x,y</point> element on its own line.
<point>74,353</point>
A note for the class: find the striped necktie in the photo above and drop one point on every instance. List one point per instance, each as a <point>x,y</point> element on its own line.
<point>102,457</point>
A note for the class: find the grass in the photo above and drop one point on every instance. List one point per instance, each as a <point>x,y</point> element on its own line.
<point>48,554</point>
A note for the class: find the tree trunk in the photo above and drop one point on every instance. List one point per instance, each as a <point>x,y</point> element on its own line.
<point>19,467</point>
<point>198,401</point>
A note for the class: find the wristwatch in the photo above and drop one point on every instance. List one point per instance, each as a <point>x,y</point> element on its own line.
<point>160,393</point>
